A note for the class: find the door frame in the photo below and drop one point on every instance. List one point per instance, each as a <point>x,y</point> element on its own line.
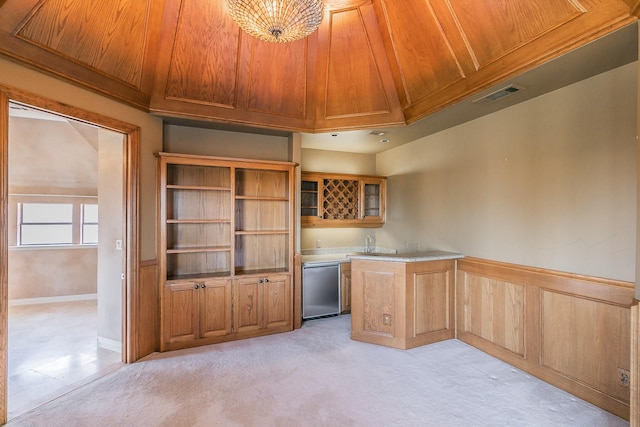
<point>131,180</point>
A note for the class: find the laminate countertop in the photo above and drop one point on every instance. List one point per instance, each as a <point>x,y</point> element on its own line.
<point>430,255</point>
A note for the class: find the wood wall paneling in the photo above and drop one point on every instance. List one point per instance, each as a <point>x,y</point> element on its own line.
<point>493,310</point>
<point>569,330</point>
<point>146,333</point>
<point>585,340</point>
<point>432,290</point>
<point>634,418</point>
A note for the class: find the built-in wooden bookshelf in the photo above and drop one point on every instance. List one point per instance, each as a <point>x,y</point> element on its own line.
<point>224,224</point>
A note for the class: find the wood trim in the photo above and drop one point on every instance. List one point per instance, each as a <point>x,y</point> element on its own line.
<point>130,351</point>
<point>132,296</point>
<point>572,331</point>
<point>146,316</point>
<point>297,291</point>
<point>634,401</point>
<point>4,252</point>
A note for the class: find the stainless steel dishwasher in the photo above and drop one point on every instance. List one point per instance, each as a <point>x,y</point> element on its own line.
<point>320,289</point>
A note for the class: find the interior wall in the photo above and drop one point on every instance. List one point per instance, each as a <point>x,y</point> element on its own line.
<point>50,157</point>
<point>20,77</point>
<point>547,183</point>
<point>336,162</point>
<point>110,231</point>
<point>212,142</point>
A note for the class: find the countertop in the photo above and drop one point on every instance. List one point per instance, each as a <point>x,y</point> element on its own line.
<point>431,255</point>
<point>339,255</point>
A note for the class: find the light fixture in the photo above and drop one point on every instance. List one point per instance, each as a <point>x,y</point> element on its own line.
<point>277,21</point>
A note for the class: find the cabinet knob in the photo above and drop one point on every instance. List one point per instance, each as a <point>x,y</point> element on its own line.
<point>260,281</point>
<point>266,280</point>
<point>203,286</point>
<point>196,287</point>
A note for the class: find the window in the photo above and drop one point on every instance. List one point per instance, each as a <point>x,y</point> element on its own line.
<point>45,224</point>
<point>89,224</point>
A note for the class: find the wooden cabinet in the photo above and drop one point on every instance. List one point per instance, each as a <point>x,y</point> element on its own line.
<point>223,221</point>
<point>345,287</point>
<point>262,303</point>
<point>402,304</point>
<point>341,200</point>
<point>195,310</point>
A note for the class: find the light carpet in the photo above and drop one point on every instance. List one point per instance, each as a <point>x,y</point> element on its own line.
<point>318,376</point>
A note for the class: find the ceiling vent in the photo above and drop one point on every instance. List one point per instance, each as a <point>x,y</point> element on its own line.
<point>499,94</point>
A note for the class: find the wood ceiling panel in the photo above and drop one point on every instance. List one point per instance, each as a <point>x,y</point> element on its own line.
<point>354,86</point>
<point>492,32</point>
<point>372,63</point>
<point>426,60</point>
<point>277,82</point>
<point>204,60</point>
<point>107,36</point>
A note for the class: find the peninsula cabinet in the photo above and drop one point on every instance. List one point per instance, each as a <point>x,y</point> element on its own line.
<point>342,200</point>
<point>225,248</point>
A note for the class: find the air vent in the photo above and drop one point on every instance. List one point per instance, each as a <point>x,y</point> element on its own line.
<point>499,94</point>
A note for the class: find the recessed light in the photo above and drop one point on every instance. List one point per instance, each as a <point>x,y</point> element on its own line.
<point>385,141</point>
<point>377,133</point>
<point>334,134</point>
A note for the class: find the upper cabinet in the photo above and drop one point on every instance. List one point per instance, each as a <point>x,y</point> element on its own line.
<point>341,200</point>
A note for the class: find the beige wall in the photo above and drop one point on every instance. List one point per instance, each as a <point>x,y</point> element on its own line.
<point>547,183</point>
<point>336,162</point>
<point>31,81</point>
<point>110,257</point>
<point>74,273</point>
<point>211,142</point>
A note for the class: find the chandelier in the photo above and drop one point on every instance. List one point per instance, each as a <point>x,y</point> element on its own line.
<point>277,21</point>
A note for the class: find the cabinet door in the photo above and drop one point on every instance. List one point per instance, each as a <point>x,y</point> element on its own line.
<point>345,287</point>
<point>310,200</point>
<point>372,200</point>
<point>247,306</point>
<point>215,308</point>
<point>277,301</point>
<point>180,312</point>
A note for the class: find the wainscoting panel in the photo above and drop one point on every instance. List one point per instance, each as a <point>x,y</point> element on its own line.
<point>431,290</point>
<point>493,310</point>
<point>147,331</point>
<point>570,330</point>
<point>579,329</point>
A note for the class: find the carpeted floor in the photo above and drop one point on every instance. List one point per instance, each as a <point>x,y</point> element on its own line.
<point>318,376</point>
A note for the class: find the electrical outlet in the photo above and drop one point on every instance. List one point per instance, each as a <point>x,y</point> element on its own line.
<point>386,319</point>
<point>623,377</point>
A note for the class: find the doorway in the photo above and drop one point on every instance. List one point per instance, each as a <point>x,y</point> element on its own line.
<point>65,240</point>
<point>127,246</point>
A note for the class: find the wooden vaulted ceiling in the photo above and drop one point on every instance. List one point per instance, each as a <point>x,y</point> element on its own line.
<point>372,63</point>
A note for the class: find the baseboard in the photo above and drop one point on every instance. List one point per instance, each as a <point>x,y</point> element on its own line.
<point>48,300</point>
<point>108,344</point>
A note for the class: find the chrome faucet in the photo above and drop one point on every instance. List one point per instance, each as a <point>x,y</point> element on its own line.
<point>367,242</point>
